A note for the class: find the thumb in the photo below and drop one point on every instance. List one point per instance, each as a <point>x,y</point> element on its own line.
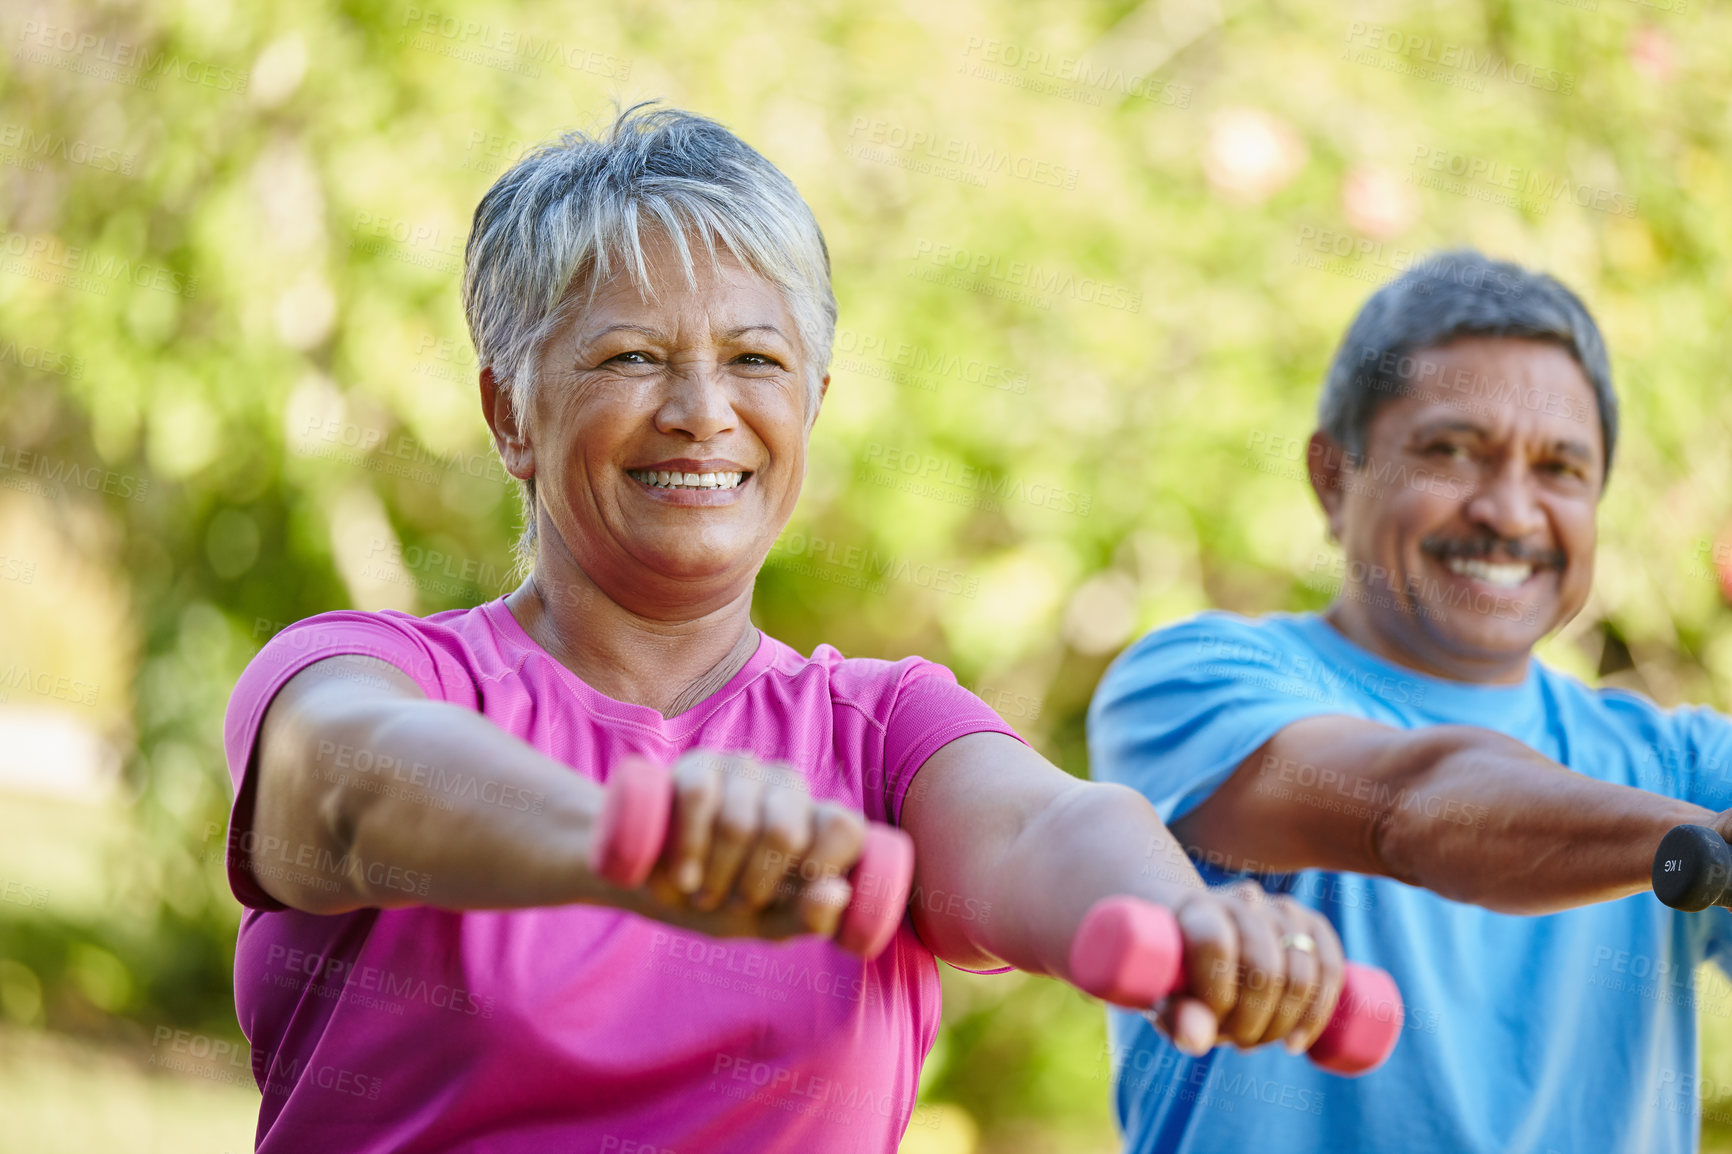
<point>1188,1022</point>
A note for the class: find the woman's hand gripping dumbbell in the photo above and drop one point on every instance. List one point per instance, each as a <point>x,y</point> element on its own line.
<point>1132,953</point>
<point>731,846</point>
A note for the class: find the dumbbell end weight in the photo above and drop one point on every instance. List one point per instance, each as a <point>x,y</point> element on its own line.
<point>633,823</point>
<point>1692,868</point>
<point>881,880</point>
<point>1130,952</point>
<point>633,826</point>
<point>1366,1024</point>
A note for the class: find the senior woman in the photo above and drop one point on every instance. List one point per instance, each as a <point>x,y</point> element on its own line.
<point>427,961</point>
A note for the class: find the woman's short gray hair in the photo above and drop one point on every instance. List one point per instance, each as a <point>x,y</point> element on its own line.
<point>571,213</point>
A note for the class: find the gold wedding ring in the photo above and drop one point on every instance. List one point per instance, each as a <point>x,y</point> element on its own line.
<point>1303,942</point>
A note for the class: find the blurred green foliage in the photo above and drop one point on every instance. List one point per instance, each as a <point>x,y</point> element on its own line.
<point>1092,259</point>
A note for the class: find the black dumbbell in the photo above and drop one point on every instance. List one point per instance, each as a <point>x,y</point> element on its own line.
<point>1693,869</point>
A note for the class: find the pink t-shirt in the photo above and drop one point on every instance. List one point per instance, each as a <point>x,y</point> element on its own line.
<point>576,1028</point>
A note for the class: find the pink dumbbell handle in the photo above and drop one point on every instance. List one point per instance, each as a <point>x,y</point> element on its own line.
<point>634,826</point>
<point>1130,952</point>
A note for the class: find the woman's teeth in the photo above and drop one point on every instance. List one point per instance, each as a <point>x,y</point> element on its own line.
<point>662,479</point>
<point>1503,576</point>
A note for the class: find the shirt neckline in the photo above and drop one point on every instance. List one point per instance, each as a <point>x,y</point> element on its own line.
<point>1327,636</point>
<point>503,620</point>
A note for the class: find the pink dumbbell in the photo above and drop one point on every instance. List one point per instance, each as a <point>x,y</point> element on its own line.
<point>634,827</point>
<point>1130,952</point>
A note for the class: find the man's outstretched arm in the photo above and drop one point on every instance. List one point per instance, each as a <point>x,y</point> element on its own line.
<point>1469,814</point>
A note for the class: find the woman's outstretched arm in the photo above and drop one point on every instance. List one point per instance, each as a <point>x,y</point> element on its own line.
<point>369,794</point>
<point>1011,852</point>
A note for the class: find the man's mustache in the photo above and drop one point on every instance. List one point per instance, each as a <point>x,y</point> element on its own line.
<point>1479,548</point>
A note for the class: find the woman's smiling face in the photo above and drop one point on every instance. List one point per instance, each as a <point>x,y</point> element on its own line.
<point>667,435</point>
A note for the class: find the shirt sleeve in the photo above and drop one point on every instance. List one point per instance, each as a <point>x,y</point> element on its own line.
<point>1700,765</point>
<point>930,711</point>
<point>391,637</point>
<point>1180,709</point>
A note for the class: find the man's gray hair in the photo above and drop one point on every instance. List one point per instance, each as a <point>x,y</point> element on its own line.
<point>575,211</point>
<point>1450,295</point>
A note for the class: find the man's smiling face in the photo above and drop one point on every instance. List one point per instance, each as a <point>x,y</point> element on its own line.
<point>1469,526</point>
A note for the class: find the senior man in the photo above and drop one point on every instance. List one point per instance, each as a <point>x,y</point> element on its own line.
<point>1481,825</point>
<point>428,963</point>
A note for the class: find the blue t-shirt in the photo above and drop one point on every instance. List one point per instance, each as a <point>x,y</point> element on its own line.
<point>1525,1035</point>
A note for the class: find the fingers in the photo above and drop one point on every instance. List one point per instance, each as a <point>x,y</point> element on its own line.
<point>1211,960</point>
<point>1330,966</point>
<point>1247,963</point>
<point>739,820</point>
<point>748,836</point>
<point>1189,1023</point>
<point>782,844</point>
<point>697,798</point>
<point>1262,968</point>
<point>840,835</point>
<point>1297,925</point>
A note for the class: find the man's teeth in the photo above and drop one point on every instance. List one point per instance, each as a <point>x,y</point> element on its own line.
<point>662,479</point>
<point>1503,576</point>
